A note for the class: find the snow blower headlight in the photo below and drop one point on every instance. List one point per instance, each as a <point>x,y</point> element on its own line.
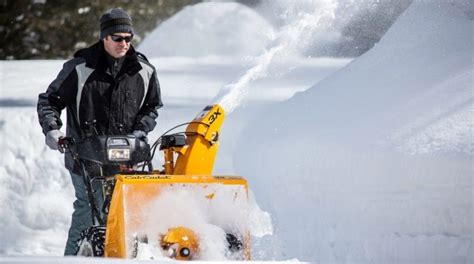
<point>118,149</point>
<point>119,154</point>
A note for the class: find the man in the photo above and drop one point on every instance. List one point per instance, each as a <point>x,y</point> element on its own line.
<point>107,89</point>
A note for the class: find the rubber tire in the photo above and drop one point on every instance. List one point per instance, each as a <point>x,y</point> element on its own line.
<point>91,242</point>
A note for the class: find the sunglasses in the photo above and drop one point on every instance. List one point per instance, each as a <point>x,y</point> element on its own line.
<point>120,38</point>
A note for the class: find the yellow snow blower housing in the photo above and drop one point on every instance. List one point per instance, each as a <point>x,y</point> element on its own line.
<point>163,208</point>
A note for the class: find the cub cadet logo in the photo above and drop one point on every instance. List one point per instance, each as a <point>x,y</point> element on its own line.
<point>213,117</point>
<point>146,177</point>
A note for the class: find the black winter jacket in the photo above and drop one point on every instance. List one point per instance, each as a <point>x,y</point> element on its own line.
<point>96,101</point>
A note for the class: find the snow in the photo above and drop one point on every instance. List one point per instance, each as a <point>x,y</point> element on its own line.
<point>82,260</point>
<point>364,160</point>
<point>377,159</point>
<point>210,219</point>
<point>289,40</point>
<point>209,29</point>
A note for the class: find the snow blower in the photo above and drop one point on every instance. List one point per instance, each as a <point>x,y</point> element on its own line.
<point>157,211</point>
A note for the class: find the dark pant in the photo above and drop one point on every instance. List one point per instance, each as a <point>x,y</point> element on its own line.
<point>82,215</point>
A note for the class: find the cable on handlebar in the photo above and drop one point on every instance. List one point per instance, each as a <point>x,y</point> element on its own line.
<point>158,141</point>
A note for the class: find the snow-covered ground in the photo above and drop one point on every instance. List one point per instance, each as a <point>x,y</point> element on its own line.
<point>370,161</point>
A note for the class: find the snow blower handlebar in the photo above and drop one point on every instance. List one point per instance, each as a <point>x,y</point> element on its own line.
<point>195,153</point>
<point>107,150</point>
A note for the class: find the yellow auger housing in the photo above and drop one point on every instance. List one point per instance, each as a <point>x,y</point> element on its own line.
<point>141,203</point>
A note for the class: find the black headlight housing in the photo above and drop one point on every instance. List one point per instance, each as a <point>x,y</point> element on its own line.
<point>114,150</point>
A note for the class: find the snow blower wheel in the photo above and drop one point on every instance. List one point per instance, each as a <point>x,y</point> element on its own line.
<point>91,242</point>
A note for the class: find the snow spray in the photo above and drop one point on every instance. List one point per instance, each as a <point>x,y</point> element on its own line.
<point>186,205</point>
<point>303,19</point>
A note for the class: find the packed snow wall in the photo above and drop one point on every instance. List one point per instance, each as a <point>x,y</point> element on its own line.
<point>374,163</point>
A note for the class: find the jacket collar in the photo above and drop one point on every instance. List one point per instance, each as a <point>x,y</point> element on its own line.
<point>95,57</point>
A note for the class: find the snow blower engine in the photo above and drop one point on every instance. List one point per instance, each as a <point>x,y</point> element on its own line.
<point>145,213</point>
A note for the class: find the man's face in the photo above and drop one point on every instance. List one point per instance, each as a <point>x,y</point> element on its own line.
<point>117,48</point>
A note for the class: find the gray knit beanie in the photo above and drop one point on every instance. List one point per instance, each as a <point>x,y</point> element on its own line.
<point>116,20</point>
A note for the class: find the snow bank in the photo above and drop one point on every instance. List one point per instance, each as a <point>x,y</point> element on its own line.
<point>374,163</point>
<point>34,191</point>
<point>207,29</point>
